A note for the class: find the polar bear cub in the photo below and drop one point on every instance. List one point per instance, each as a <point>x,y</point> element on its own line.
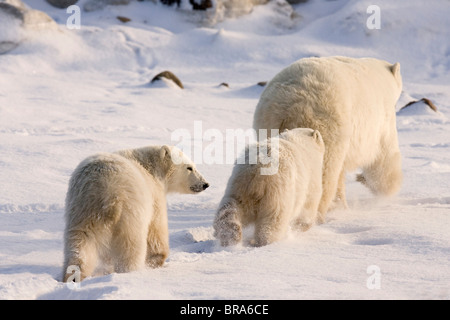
<point>116,208</point>
<point>352,103</point>
<point>274,202</point>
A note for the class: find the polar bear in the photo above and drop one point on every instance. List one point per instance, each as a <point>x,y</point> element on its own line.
<point>352,103</point>
<point>273,202</point>
<point>116,208</point>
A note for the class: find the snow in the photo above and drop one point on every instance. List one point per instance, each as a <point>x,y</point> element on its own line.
<point>69,93</point>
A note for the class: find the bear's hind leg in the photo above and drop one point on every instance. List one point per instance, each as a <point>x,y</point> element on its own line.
<point>340,200</point>
<point>269,230</point>
<point>384,176</point>
<point>227,224</point>
<point>128,247</point>
<point>333,164</point>
<point>270,225</point>
<point>309,213</point>
<point>80,256</point>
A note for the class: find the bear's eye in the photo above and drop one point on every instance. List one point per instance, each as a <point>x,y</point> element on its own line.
<point>190,168</point>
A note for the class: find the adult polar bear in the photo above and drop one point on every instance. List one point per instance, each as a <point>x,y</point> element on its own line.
<point>352,103</point>
<point>116,208</point>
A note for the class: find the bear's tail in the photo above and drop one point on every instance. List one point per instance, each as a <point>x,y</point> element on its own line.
<point>227,224</point>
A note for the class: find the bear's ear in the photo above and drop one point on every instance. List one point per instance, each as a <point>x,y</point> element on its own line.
<point>164,152</point>
<point>395,69</point>
<point>317,137</point>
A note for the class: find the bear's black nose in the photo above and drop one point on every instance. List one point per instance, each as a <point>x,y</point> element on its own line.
<point>206,185</point>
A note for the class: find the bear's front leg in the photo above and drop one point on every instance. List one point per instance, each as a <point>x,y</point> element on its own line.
<point>157,243</point>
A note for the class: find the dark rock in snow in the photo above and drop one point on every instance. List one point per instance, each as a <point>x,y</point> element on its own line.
<point>6,46</point>
<point>94,5</point>
<point>16,3</point>
<point>63,4</point>
<point>31,19</point>
<point>123,19</point>
<point>168,75</point>
<point>15,19</point>
<point>201,4</point>
<point>296,1</point>
<point>423,108</point>
<point>170,2</point>
<point>424,100</point>
<point>11,10</point>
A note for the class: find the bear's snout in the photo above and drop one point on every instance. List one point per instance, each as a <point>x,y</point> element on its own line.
<point>199,187</point>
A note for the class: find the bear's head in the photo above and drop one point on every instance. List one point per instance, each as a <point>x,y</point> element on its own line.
<point>182,175</point>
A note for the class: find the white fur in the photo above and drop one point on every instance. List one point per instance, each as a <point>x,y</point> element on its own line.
<point>116,208</point>
<point>352,103</point>
<point>273,202</point>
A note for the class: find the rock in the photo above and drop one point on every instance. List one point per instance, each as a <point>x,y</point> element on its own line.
<point>170,2</point>
<point>63,4</point>
<point>123,19</point>
<point>94,5</point>
<point>6,46</point>
<point>11,26</point>
<point>16,19</point>
<point>11,10</point>
<point>30,18</point>
<point>286,14</point>
<point>16,3</point>
<point>209,13</point>
<point>168,75</point>
<point>296,1</point>
<point>425,100</point>
<point>38,20</point>
<point>201,4</point>
<point>262,83</point>
<point>236,8</point>
<point>117,2</point>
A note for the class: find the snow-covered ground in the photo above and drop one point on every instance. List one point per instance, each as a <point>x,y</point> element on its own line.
<point>68,93</point>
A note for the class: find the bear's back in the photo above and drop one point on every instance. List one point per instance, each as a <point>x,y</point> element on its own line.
<point>100,169</point>
<point>101,183</point>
